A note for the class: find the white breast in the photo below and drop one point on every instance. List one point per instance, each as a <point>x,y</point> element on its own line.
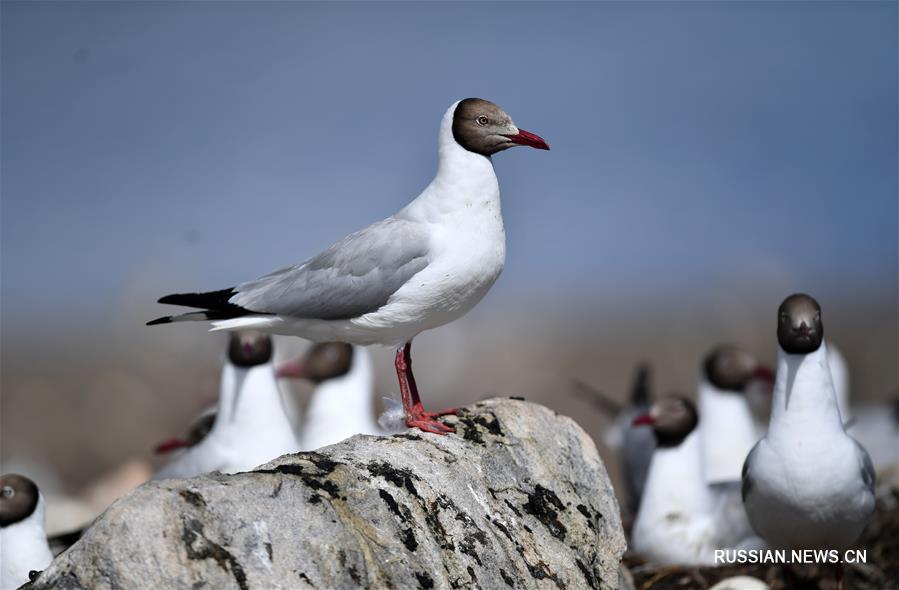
<point>674,523</point>
<point>808,497</point>
<point>23,547</point>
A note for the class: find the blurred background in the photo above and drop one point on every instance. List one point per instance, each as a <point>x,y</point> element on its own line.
<point>707,160</point>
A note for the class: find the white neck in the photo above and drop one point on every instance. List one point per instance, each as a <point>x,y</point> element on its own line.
<point>250,402</point>
<point>675,482</point>
<point>343,406</point>
<point>464,180</point>
<point>804,396</point>
<point>23,547</point>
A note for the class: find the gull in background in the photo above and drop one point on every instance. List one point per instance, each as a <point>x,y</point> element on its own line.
<point>682,519</point>
<point>876,426</point>
<point>251,426</point>
<point>196,432</point>
<point>728,430</point>
<point>342,404</point>
<point>418,269</point>
<point>23,540</point>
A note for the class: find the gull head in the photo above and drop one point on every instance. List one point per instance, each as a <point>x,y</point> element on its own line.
<point>249,348</point>
<point>327,360</point>
<point>482,127</point>
<point>799,327</point>
<point>673,418</point>
<point>730,368</point>
<point>18,498</point>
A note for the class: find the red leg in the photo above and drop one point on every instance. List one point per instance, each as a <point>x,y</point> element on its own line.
<point>416,417</point>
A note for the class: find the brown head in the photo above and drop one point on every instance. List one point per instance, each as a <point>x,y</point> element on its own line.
<point>249,348</point>
<point>672,417</point>
<point>18,498</point>
<point>323,361</point>
<point>200,428</point>
<point>729,368</point>
<point>483,128</point>
<point>799,327</point>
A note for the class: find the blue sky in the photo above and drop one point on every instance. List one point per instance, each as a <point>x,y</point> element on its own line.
<point>200,144</point>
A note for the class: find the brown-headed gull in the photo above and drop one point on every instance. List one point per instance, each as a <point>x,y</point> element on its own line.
<point>418,269</point>
<point>682,519</point>
<point>806,484</point>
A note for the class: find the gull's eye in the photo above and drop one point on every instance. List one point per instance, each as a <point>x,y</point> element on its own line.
<point>483,120</point>
<point>783,316</point>
<point>8,492</point>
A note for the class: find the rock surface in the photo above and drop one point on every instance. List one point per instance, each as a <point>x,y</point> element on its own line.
<point>517,498</point>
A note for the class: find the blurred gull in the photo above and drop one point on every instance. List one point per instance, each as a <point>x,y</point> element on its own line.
<point>342,403</point>
<point>250,427</point>
<point>196,432</point>
<point>23,540</point>
<point>682,519</point>
<point>727,430</point>
<point>423,267</point>
<point>807,484</point>
<point>876,427</point>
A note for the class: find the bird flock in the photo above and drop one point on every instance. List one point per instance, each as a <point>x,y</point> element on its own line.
<point>717,477</point>
<point>700,476</point>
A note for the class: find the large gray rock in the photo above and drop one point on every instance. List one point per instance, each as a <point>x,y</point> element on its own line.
<point>518,498</point>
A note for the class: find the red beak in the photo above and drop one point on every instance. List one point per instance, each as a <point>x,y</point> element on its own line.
<point>172,444</point>
<point>292,370</point>
<point>764,373</point>
<point>529,139</point>
<point>644,420</point>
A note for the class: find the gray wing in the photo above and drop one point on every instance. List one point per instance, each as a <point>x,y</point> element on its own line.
<point>355,276</point>
<point>868,473</point>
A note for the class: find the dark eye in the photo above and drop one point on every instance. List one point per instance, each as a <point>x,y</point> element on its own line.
<point>8,492</point>
<point>483,120</point>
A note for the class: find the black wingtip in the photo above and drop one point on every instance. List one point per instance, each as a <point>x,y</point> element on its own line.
<point>163,320</point>
<point>208,300</point>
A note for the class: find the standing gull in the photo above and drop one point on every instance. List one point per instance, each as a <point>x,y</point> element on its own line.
<point>423,267</point>
<point>806,484</point>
